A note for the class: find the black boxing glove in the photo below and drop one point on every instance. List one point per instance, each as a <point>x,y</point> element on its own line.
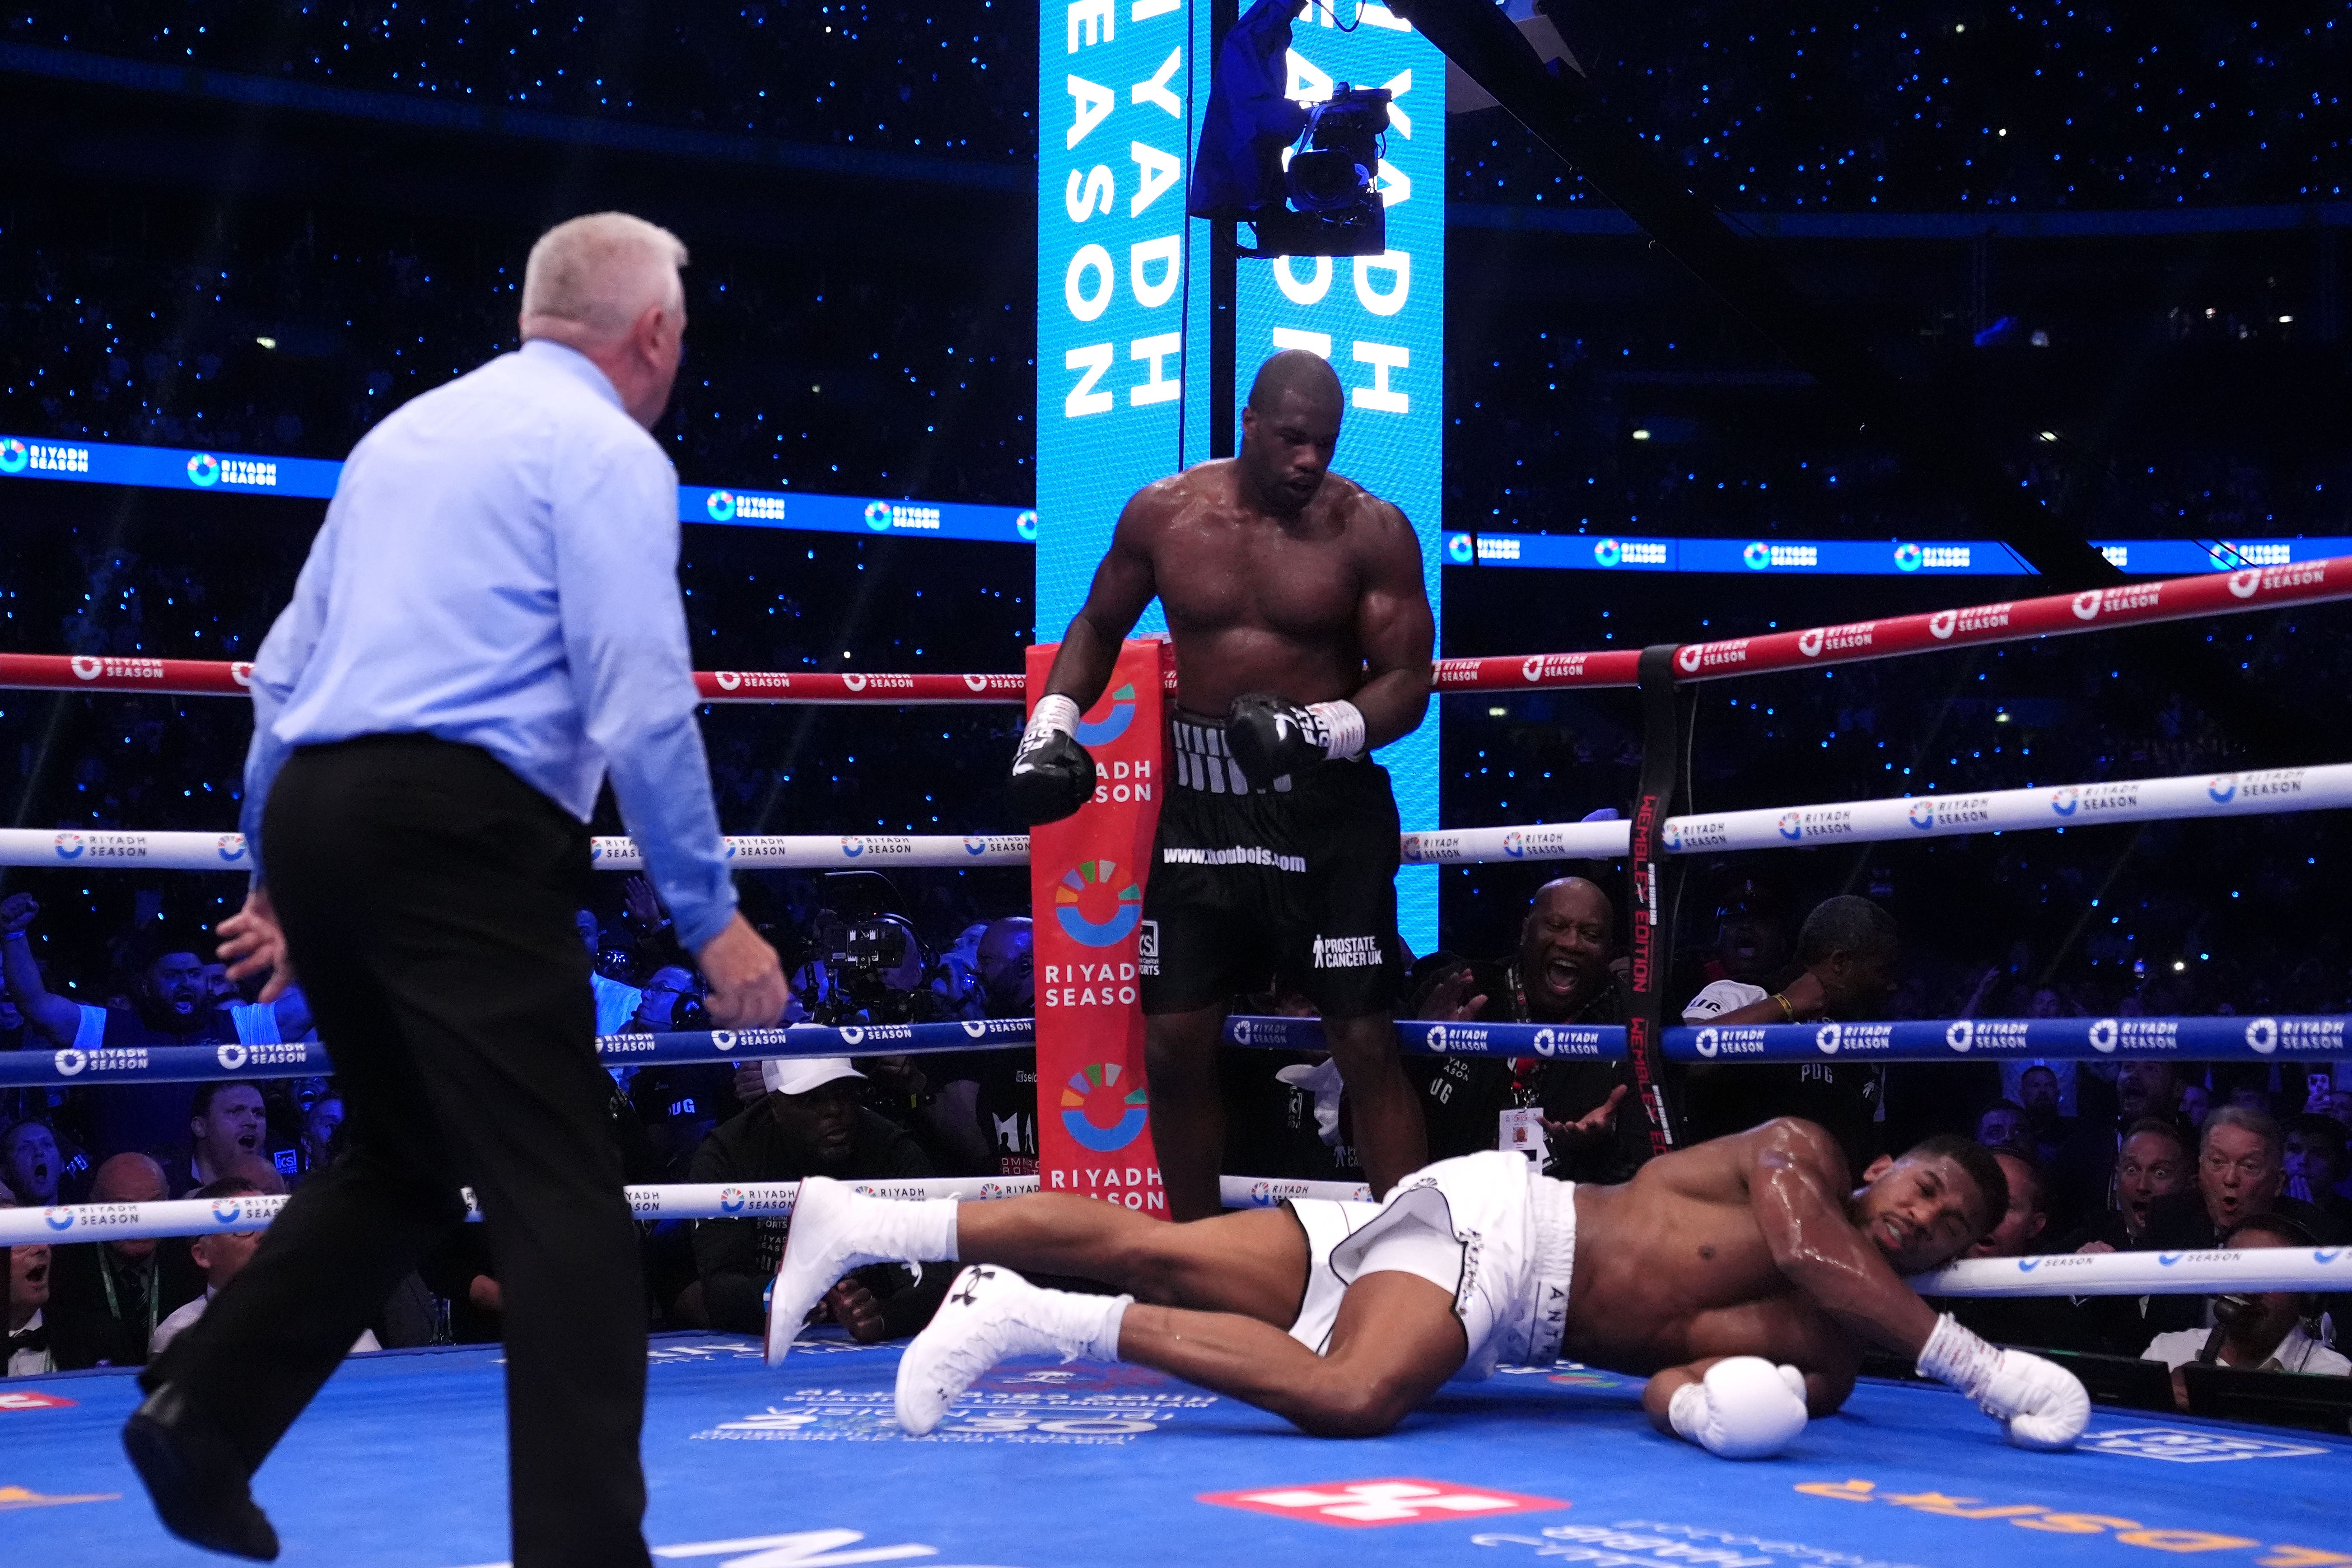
<point>1052,774</point>
<point>1271,738</point>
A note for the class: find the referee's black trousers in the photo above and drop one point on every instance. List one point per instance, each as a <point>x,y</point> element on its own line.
<point>427,896</point>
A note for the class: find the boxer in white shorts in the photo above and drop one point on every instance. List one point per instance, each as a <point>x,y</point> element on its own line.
<point>1744,1276</point>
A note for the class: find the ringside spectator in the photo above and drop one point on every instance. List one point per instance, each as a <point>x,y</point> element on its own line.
<point>809,1124</point>
<point>30,1164</point>
<point>226,1122</point>
<point>219,1257</point>
<point>27,1269</point>
<point>1846,954</point>
<point>2271,1330</point>
<point>1560,1111</point>
<point>2044,1320</point>
<point>106,1297</point>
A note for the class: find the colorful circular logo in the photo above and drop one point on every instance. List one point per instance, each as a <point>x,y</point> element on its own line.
<point>1515,845</point>
<point>720,505</point>
<point>1088,884</point>
<point>1923,813</point>
<point>1111,726</point>
<point>1792,826</point>
<point>1608,552</point>
<point>2064,800</point>
<point>69,846</point>
<point>1907,557</point>
<point>851,848</point>
<point>2222,788</point>
<point>227,1211</point>
<point>974,845</point>
<point>1026,525</point>
<point>1460,551</point>
<point>13,455</point>
<point>731,1200</point>
<point>231,1056</point>
<point>204,470</point>
<point>877,516</point>
<point>1756,556</point>
<point>231,846</point>
<point>1095,1089</point>
<point>58,1218</point>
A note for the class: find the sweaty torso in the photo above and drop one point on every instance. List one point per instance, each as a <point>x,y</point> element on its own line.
<point>1673,1266</point>
<point>1257,603</point>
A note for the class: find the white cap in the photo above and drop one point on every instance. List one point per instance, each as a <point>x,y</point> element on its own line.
<point>800,1075</point>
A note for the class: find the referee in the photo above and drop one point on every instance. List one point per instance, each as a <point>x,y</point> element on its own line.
<point>487,627</point>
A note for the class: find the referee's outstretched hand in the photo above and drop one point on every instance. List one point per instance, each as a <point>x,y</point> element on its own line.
<point>747,983</point>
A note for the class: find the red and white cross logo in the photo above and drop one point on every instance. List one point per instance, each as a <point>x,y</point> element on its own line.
<point>1395,1499</point>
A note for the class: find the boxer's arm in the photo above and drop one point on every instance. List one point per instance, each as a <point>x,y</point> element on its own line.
<point>1396,632</point>
<point>1123,586</point>
<point>1794,1174</point>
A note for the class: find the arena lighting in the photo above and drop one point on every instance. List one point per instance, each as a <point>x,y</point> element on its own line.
<point>1640,434</point>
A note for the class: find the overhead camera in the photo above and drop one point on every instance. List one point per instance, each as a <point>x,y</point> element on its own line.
<point>1333,208</point>
<point>1302,175</point>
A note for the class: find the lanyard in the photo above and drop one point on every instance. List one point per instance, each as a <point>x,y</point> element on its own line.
<point>113,1307</point>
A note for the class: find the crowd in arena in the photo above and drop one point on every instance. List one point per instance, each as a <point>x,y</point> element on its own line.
<point>2103,1155</point>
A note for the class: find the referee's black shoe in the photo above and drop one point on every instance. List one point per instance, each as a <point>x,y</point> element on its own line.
<point>197,1480</point>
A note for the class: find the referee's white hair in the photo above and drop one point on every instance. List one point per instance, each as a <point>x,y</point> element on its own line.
<point>595,275</point>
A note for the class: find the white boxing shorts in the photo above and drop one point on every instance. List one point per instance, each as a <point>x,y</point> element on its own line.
<point>1484,1228</point>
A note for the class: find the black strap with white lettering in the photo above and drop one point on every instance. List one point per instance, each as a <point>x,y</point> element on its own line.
<point>1653,934</point>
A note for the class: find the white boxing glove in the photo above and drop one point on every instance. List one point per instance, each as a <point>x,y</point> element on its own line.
<point>2041,1404</point>
<point>1745,1408</point>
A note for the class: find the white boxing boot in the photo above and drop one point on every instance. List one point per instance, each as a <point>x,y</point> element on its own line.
<point>834,1230</point>
<point>991,1315</point>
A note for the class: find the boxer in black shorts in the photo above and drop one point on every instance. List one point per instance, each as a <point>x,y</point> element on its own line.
<point>1302,634</point>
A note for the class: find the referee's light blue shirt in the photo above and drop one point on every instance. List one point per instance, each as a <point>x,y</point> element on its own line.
<point>500,568</point>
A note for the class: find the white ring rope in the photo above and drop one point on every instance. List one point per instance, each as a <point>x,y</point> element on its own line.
<point>2199,1273</point>
<point>2257,793</point>
<point>69,1222</point>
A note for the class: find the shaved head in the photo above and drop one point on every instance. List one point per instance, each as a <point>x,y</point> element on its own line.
<point>128,1179</point>
<point>1300,371</point>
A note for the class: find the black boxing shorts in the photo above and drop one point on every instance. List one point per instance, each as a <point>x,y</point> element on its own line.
<point>1289,882</point>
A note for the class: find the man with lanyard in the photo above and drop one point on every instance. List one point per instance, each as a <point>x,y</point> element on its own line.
<point>1561,1112</point>
<point>106,1297</point>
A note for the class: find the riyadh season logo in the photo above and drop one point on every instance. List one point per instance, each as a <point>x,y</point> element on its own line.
<point>69,846</point>
<point>68,1062</point>
<point>2222,788</point>
<point>1707,1043</point>
<point>58,1218</point>
<point>1515,845</point>
<point>227,1211</point>
<point>13,455</point>
<point>1809,643</point>
<point>1026,525</point>
<point>241,672</point>
<point>2262,1035</point>
<point>877,516</point>
<point>851,848</point>
<point>975,682</point>
<point>1531,669</point>
<point>2243,584</point>
<point>1959,1033</point>
<point>728,680</point>
<point>1460,551</point>
<point>2064,800</point>
<point>1112,725</point>
<point>1756,556</point>
<point>1792,827</point>
<point>1907,557</point>
<point>731,1200</point>
<point>722,1040</point>
<point>976,1027</point>
<point>204,470</point>
<point>1608,552</point>
<point>1671,835</point>
<point>231,1058</point>
<point>720,505</point>
<point>85,668</point>
<point>1922,814</point>
<point>2104,1034</point>
<point>974,845</point>
<point>1091,1082</point>
<point>2087,604</point>
<point>230,847</point>
<point>1077,884</point>
<point>1942,623</point>
<point>854,682</point>
<point>1687,659</point>
<point>1826,1037</point>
